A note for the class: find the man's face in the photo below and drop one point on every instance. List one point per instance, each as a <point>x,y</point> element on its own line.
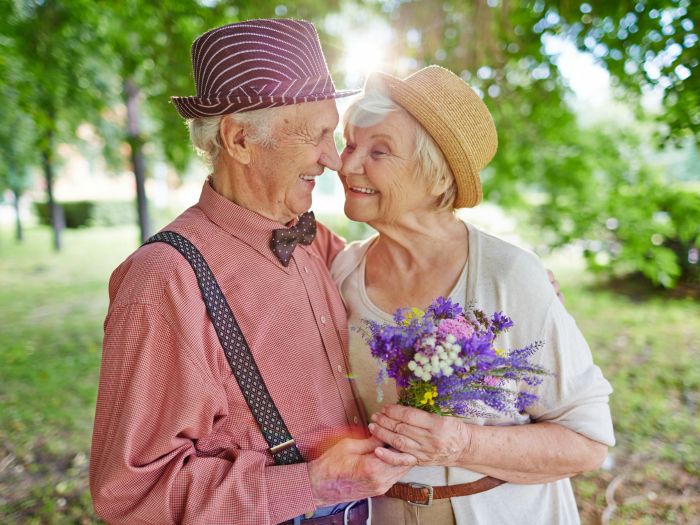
<point>304,147</point>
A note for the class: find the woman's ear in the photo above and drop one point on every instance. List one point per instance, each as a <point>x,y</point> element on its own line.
<point>234,140</point>
<point>441,186</point>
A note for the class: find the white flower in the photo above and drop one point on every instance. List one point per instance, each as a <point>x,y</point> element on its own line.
<point>429,341</point>
<point>447,371</point>
<point>450,338</point>
<point>459,361</point>
<point>412,365</point>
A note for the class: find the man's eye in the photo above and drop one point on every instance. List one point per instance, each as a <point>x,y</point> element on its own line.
<point>378,153</point>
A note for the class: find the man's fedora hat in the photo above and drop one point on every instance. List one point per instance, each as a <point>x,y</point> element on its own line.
<point>257,64</point>
<point>454,116</point>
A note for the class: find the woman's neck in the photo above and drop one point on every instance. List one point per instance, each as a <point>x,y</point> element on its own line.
<point>416,242</point>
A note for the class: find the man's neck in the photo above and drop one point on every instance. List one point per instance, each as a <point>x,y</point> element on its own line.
<point>232,183</point>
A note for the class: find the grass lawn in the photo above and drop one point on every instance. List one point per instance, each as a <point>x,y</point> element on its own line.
<point>51,312</point>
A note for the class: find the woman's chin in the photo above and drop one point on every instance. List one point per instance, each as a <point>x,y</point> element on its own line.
<point>354,214</point>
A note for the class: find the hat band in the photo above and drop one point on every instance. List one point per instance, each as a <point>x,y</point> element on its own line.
<point>269,87</point>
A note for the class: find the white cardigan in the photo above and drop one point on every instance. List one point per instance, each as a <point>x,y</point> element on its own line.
<point>499,277</point>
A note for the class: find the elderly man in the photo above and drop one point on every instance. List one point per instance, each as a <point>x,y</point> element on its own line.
<point>224,390</point>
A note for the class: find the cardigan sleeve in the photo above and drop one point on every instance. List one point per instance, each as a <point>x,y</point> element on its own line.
<point>576,394</point>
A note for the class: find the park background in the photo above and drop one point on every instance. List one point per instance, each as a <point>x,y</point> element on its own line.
<point>597,106</point>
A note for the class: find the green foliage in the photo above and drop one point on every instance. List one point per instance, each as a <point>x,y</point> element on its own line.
<point>90,213</point>
<point>580,177</point>
<point>626,218</point>
<point>657,234</point>
<point>76,214</point>
<point>51,312</point>
<point>643,44</point>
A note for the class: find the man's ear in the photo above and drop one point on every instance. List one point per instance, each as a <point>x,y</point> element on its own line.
<point>234,140</point>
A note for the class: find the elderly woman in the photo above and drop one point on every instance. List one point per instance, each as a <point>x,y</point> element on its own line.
<point>414,151</point>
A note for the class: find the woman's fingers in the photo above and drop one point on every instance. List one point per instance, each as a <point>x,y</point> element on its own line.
<point>412,416</point>
<point>398,441</point>
<point>398,427</point>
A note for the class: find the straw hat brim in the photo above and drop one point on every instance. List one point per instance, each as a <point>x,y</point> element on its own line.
<point>448,128</point>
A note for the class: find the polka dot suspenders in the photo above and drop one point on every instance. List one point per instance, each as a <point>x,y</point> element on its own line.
<point>282,447</point>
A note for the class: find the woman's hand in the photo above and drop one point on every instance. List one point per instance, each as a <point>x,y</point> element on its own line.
<point>432,439</point>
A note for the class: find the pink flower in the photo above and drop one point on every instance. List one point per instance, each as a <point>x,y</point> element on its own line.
<point>458,327</point>
<point>492,381</point>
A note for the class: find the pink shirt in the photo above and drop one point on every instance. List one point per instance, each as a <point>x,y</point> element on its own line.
<point>174,440</point>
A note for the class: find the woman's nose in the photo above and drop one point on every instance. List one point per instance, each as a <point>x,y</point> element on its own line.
<point>352,163</point>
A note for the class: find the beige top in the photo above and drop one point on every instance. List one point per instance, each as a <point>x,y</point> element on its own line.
<point>498,276</point>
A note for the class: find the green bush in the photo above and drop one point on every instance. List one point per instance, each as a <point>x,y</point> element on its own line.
<point>647,227</point>
<point>76,213</point>
<point>90,213</point>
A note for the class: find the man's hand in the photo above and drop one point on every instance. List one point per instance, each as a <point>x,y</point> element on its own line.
<point>352,470</point>
<point>555,285</point>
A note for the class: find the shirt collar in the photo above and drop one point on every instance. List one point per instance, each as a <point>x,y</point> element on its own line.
<point>250,227</point>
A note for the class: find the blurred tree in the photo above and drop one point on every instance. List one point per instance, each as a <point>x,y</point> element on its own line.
<point>17,153</point>
<point>148,45</point>
<point>570,179</point>
<point>645,45</point>
<point>57,78</point>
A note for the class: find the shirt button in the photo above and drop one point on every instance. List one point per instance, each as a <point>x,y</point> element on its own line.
<point>323,319</point>
<point>340,369</point>
<point>306,269</point>
<point>356,420</point>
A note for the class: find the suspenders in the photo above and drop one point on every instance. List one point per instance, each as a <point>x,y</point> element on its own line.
<point>282,447</point>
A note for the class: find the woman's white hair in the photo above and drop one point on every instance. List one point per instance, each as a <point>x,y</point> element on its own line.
<point>372,108</point>
<point>205,137</point>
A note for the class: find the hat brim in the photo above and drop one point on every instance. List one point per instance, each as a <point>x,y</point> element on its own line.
<point>431,117</point>
<point>196,107</point>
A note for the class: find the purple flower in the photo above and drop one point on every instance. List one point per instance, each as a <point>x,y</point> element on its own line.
<point>479,382</point>
<point>444,308</point>
<point>500,322</point>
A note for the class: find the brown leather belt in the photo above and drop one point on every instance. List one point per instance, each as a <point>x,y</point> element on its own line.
<point>423,495</point>
<point>357,514</point>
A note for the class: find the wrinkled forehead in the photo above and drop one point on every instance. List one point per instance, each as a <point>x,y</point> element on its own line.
<point>311,116</point>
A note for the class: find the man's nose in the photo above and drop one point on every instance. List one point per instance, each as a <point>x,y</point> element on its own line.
<point>329,157</point>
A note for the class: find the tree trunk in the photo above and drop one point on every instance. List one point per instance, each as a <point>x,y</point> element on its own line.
<point>137,159</point>
<point>19,231</point>
<point>55,211</point>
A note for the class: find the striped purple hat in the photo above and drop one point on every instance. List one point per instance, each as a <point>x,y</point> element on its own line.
<point>257,64</point>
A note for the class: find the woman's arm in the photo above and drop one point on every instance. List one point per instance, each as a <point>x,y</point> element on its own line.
<point>526,454</point>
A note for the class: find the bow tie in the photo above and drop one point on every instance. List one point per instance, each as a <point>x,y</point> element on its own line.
<point>284,240</point>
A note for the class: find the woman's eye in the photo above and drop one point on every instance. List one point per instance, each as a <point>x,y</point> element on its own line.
<point>349,148</point>
<point>378,153</point>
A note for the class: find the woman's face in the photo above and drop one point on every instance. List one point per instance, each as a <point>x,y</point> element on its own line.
<point>379,171</point>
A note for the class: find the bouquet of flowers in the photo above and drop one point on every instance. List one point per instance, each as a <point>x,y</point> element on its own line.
<point>445,361</point>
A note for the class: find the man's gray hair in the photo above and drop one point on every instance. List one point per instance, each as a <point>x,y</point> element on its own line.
<point>205,137</point>
<point>372,108</point>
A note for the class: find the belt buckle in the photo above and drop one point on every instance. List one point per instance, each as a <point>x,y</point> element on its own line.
<point>346,512</point>
<point>428,502</point>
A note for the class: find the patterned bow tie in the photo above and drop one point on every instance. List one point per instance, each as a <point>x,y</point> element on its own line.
<point>284,240</point>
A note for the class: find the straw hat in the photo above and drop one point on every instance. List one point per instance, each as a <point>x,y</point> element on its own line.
<point>454,116</point>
